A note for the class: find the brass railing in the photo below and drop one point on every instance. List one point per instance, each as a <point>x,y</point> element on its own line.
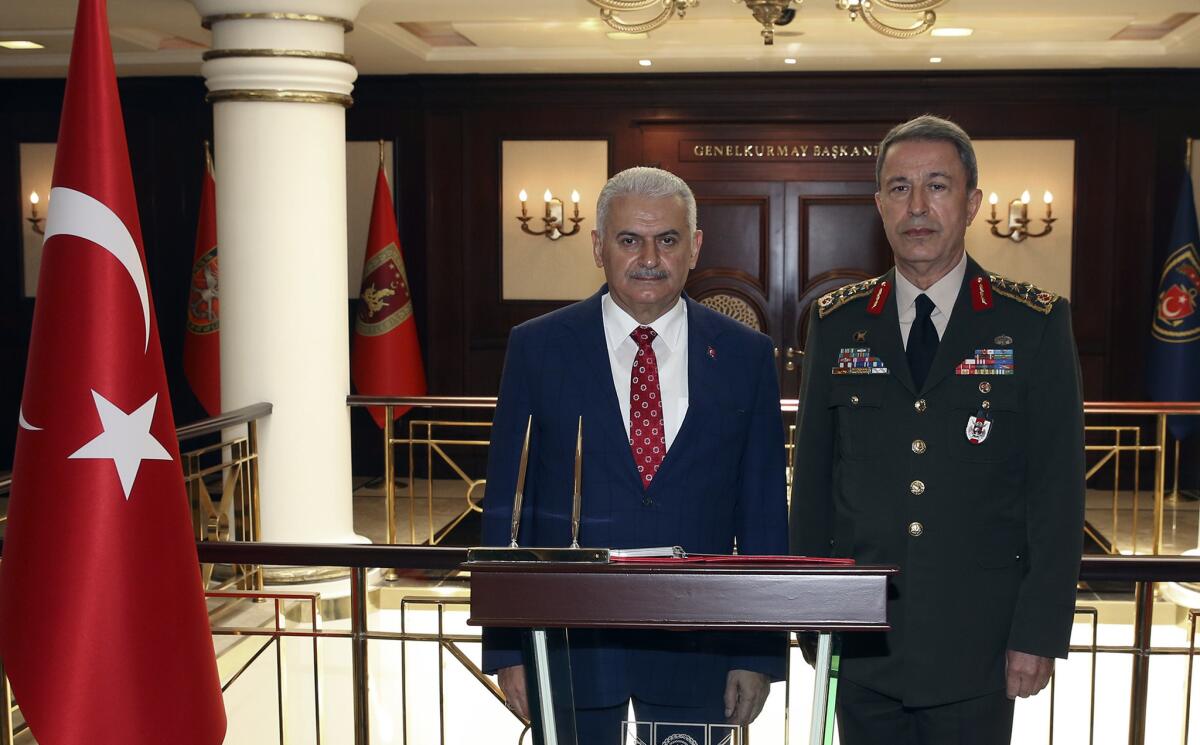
<point>434,445</point>
<point>1110,453</point>
<point>422,433</point>
<point>1143,571</point>
<point>234,515</point>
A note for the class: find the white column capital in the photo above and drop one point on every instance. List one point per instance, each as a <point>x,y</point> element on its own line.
<point>279,50</point>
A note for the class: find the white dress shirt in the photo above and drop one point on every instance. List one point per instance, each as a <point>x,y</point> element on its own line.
<point>943,293</point>
<point>670,349</point>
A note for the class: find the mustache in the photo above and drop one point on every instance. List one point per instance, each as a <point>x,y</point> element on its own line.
<point>648,274</point>
<point>914,224</point>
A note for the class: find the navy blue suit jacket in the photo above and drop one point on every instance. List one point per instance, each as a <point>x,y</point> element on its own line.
<point>722,480</point>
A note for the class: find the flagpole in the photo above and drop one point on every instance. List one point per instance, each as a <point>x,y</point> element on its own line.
<point>381,152</point>
<point>208,158</point>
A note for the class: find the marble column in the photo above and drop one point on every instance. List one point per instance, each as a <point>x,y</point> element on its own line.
<point>279,83</point>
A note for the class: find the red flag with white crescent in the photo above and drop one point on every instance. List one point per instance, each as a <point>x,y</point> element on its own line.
<point>103,627</point>
<point>202,340</point>
<point>385,358</point>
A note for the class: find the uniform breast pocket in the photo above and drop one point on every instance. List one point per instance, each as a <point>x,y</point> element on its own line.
<point>858,412</point>
<point>985,427</point>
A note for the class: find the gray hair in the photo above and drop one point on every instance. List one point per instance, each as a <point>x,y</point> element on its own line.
<point>930,128</point>
<point>645,182</point>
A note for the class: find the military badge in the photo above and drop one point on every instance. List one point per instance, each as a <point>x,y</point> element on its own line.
<point>204,300</point>
<point>1004,340</point>
<point>978,427</point>
<point>1176,319</point>
<point>385,301</point>
<point>987,362</point>
<point>858,361</point>
<point>860,336</point>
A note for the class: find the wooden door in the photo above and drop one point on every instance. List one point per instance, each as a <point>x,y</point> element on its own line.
<point>788,214</point>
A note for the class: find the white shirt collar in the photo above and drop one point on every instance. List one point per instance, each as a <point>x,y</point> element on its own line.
<point>618,324</point>
<point>943,293</point>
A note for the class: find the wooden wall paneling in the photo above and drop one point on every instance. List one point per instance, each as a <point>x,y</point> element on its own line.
<point>741,254</point>
<point>447,278</point>
<point>1127,130</point>
<point>489,317</point>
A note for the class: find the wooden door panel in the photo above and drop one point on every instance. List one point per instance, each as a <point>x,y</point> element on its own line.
<point>740,264</point>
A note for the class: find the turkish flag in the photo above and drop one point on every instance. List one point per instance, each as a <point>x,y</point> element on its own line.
<point>103,626</point>
<point>385,357</point>
<point>202,340</point>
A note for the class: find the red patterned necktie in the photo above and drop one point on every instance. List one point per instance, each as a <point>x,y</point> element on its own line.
<point>647,435</point>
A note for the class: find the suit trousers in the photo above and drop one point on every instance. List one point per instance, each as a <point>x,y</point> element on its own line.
<point>867,717</point>
<point>603,726</point>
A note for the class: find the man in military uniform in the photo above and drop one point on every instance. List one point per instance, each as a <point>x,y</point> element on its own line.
<point>941,431</point>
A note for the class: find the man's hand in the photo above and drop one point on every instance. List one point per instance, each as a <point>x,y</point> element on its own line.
<point>1027,673</point>
<point>512,682</point>
<point>745,694</point>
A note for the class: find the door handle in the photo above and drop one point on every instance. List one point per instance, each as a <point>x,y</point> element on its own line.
<point>791,353</point>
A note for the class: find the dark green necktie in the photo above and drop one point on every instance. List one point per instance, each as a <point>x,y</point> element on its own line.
<point>922,341</point>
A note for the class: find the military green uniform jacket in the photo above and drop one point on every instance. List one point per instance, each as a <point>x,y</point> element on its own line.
<point>987,536</point>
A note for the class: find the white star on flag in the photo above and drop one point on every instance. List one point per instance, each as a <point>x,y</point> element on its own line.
<point>125,439</point>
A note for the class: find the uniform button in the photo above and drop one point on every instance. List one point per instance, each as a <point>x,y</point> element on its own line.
<point>915,529</point>
<point>917,488</point>
<point>647,502</point>
<point>986,404</point>
<point>919,405</point>
<point>918,447</point>
<point>854,400</point>
<point>985,387</point>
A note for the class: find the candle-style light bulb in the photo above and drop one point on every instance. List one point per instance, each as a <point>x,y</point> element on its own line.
<point>1025,197</point>
<point>34,198</point>
<point>575,196</point>
<point>993,199</point>
<point>523,196</point>
<point>1047,197</point>
<point>547,196</point>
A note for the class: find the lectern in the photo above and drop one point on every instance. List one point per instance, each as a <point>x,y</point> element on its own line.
<point>548,597</point>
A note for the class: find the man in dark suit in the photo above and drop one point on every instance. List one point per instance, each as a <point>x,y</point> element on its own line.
<point>942,431</point>
<point>682,445</point>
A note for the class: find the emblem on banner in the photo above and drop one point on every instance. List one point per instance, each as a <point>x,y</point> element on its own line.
<point>203,316</point>
<point>1176,319</point>
<point>385,300</point>
<point>978,427</point>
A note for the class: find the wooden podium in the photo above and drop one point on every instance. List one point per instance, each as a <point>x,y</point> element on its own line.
<point>548,597</point>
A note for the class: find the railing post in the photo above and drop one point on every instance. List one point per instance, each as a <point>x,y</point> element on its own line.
<point>252,475</point>
<point>1139,687</point>
<point>389,473</point>
<point>6,728</point>
<point>358,652</point>
<point>1160,480</point>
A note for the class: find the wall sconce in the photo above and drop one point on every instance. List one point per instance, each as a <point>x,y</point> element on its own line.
<point>1018,217</point>
<point>37,223</point>
<point>553,217</point>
